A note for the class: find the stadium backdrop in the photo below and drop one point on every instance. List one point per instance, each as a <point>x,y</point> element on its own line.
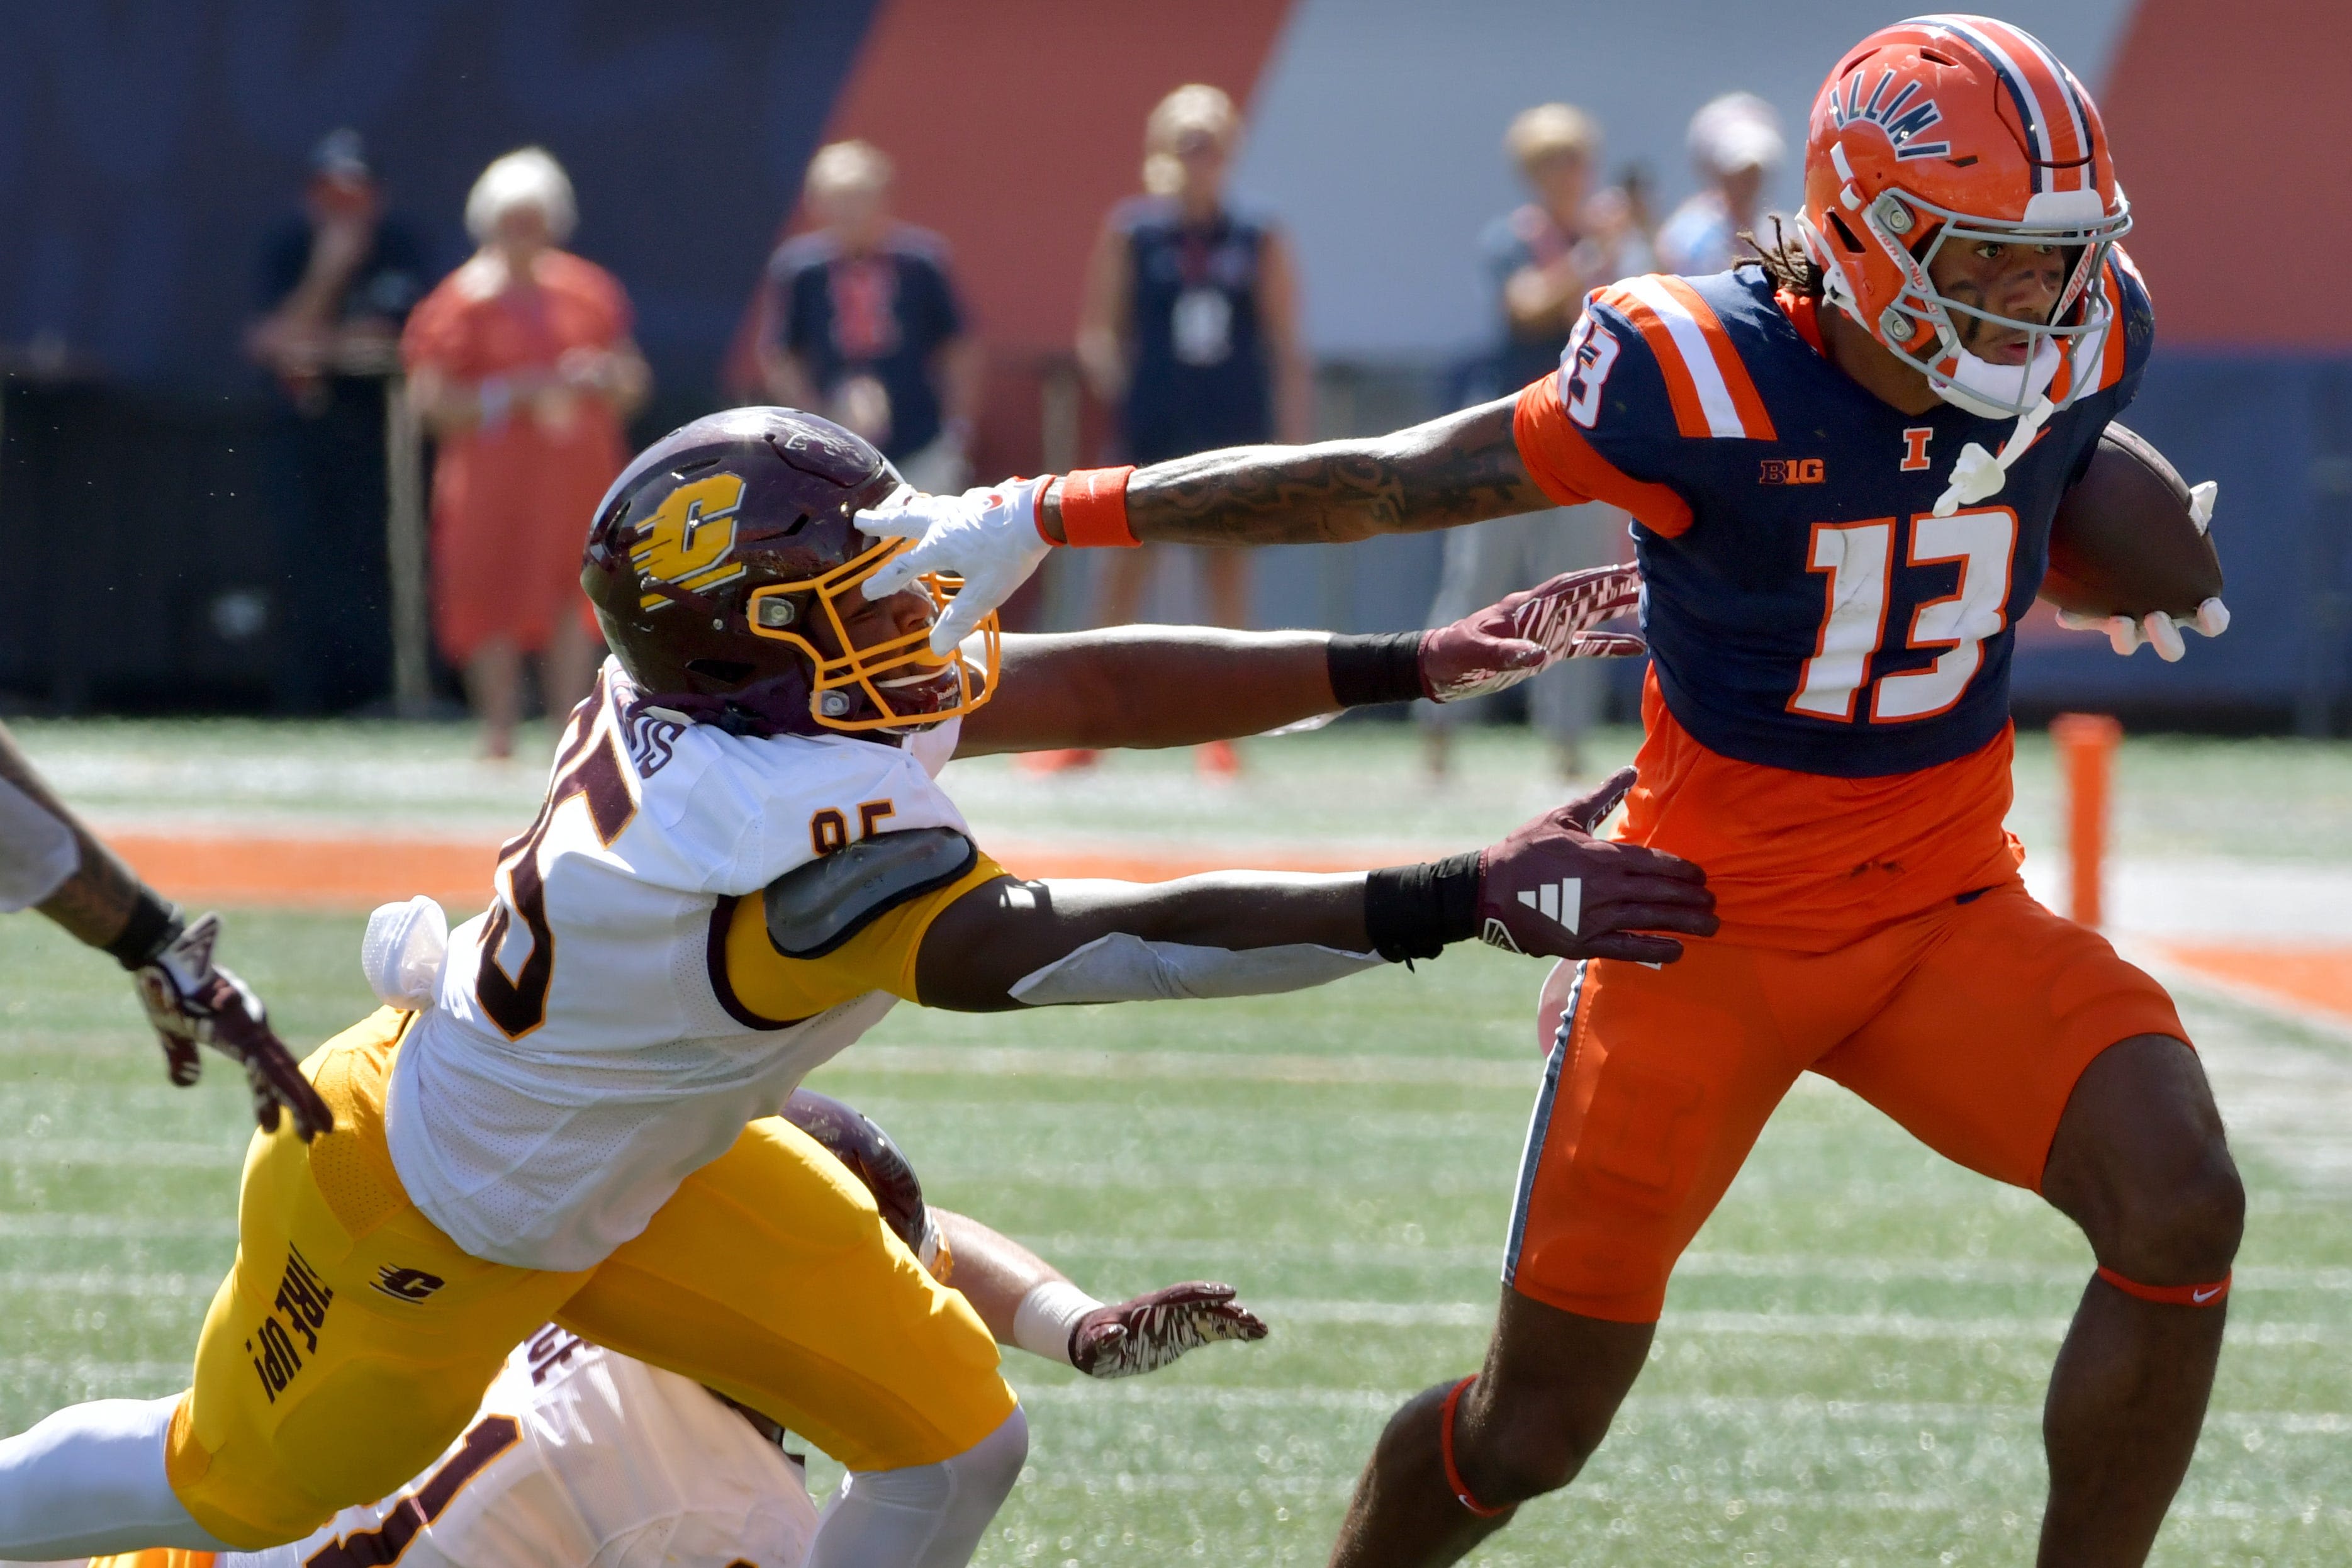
<point>146,146</point>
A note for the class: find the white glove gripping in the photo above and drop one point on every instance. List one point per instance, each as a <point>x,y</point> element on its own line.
<point>2156,630</point>
<point>402,952</point>
<point>988,536</point>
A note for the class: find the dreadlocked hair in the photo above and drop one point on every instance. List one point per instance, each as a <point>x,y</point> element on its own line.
<point>1785,262</point>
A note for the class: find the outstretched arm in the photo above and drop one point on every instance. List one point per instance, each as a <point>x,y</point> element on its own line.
<point>50,860</point>
<point>1463,468</point>
<point>1028,1302</point>
<point>1550,888</point>
<point>1179,686</point>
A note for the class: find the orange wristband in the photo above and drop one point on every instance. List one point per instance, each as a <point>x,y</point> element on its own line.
<point>1094,506</point>
<point>2211,1294</point>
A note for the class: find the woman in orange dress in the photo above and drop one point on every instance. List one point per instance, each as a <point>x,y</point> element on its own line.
<point>522,365</point>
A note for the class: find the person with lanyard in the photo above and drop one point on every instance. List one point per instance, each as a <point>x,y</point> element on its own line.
<point>1189,327</point>
<point>862,322</point>
<point>1540,260</point>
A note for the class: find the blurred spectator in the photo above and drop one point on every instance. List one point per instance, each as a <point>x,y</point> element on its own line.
<point>1735,145</point>
<point>337,281</point>
<point>521,365</point>
<point>863,325</point>
<point>1542,260</point>
<point>1189,327</point>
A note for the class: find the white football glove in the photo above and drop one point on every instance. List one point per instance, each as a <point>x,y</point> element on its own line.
<point>988,536</point>
<point>2156,630</point>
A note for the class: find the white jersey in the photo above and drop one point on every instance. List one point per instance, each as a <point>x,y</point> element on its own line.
<point>580,1458</point>
<point>586,1054</point>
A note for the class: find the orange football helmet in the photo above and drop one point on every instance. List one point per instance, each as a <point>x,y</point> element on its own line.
<point>1956,129</point>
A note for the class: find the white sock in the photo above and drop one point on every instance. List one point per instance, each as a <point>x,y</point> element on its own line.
<point>89,1481</point>
<point>925,1516</point>
<point>1042,1324</point>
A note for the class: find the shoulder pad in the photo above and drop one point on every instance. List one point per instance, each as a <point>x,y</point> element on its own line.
<point>815,908</point>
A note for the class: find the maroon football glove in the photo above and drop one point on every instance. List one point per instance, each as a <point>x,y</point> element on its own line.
<point>1151,1331</point>
<point>193,1002</point>
<point>1529,632</point>
<point>1553,890</point>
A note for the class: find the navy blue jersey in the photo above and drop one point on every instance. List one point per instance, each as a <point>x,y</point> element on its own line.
<point>1805,609</point>
<point>883,314</point>
<point>1201,378</point>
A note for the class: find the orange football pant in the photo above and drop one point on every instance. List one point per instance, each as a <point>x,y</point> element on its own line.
<point>1970,1024</point>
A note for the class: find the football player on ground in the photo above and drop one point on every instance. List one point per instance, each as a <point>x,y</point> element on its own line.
<point>52,861</point>
<point>581,1457</point>
<point>1843,465</point>
<point>742,861</point>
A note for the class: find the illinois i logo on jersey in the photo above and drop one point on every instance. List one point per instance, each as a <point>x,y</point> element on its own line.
<point>688,543</point>
<point>1915,447</point>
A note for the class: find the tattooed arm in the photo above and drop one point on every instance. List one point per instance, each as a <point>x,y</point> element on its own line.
<point>1464,468</point>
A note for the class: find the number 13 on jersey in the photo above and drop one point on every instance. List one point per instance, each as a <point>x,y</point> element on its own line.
<point>1858,561</point>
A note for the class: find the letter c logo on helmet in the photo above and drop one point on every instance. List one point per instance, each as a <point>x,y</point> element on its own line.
<point>1959,129</point>
<point>727,571</point>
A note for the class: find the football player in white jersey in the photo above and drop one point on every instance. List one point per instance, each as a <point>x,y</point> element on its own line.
<point>743,862</point>
<point>581,1457</point>
<point>52,861</point>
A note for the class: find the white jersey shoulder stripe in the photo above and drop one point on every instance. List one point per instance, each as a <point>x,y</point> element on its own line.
<point>1692,349</point>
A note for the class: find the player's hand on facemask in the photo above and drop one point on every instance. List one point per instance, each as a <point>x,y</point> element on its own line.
<point>988,536</point>
<point>1151,1331</point>
<point>1528,632</point>
<point>2156,630</point>
<point>1552,889</point>
<point>193,1002</point>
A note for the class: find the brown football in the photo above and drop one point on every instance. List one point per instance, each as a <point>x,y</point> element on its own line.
<point>2123,543</point>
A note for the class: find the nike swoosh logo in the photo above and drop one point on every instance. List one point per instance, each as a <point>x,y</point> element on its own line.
<point>2201,1297</point>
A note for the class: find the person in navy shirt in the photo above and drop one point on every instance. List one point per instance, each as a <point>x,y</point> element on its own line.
<point>863,324</point>
<point>1540,260</point>
<point>1189,328</point>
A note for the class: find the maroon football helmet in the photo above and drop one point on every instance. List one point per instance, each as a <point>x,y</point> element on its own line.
<point>727,569</point>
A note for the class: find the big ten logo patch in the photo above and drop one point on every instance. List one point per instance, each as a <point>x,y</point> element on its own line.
<point>550,1349</point>
<point>301,1304</point>
<point>1794,471</point>
<point>688,542</point>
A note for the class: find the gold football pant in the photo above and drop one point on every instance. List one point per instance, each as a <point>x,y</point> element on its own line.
<point>352,1341</point>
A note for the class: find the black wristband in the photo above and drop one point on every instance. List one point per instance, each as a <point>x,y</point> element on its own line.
<point>153,926</point>
<point>1382,668</point>
<point>1412,911</point>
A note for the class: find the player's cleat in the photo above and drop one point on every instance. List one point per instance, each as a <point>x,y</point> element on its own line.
<point>193,1002</point>
<point>1060,760</point>
<point>1151,1331</point>
<point>1529,632</point>
<point>1217,760</point>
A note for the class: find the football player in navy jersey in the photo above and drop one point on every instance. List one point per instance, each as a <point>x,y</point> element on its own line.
<point>1843,465</point>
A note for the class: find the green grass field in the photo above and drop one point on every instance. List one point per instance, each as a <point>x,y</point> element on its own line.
<point>1851,1367</point>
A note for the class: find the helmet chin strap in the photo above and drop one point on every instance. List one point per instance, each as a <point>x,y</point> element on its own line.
<point>1978,475</point>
